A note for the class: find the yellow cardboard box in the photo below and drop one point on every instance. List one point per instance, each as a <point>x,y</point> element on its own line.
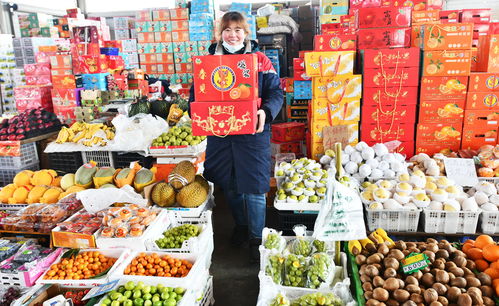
<point>332,63</point>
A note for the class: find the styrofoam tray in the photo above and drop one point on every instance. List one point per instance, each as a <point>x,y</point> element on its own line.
<point>178,150</point>
<point>121,255</point>
<point>12,206</point>
<point>134,243</point>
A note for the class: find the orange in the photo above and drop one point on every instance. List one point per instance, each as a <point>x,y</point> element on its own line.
<point>493,273</point>
<point>491,252</point>
<point>494,265</point>
<point>245,90</point>
<point>475,253</point>
<point>483,240</point>
<point>481,265</point>
<point>466,247</point>
<point>235,93</point>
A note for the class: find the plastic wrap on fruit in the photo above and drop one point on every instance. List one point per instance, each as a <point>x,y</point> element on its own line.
<point>319,298</point>
<point>273,240</point>
<point>275,267</point>
<point>320,270</point>
<point>136,230</point>
<point>280,300</point>
<point>295,268</point>
<point>300,245</point>
<point>319,246</point>
<point>107,232</point>
<point>121,231</point>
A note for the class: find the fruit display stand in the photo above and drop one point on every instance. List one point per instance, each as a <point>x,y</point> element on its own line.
<point>121,255</point>
<point>75,240</point>
<point>134,243</point>
<point>440,221</point>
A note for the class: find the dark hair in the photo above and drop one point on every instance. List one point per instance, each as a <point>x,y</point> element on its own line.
<point>230,17</point>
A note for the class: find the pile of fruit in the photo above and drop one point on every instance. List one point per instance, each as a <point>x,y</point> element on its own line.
<point>140,294</point>
<point>430,166</point>
<point>87,134</point>
<point>489,161</point>
<point>175,237</point>
<point>128,221</point>
<point>11,294</point>
<point>177,136</point>
<point>302,181</point>
<point>153,264</point>
<point>184,187</point>
<point>484,251</point>
<point>319,298</point>
<point>82,222</point>
<point>31,123</point>
<point>84,265</point>
<point>77,296</point>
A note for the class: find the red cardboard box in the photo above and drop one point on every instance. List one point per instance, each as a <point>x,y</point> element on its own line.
<point>67,97</point>
<point>224,118</point>
<point>288,131</point>
<point>226,77</point>
<point>64,71</point>
<point>387,131</point>
<point>480,29</point>
<point>331,42</point>
<point>61,62</point>
<point>38,80</point>
<point>419,17</point>
<point>145,37</point>
<point>298,64</point>
<point>483,100</point>
<point>84,49</point>
<point>390,95</point>
<point>388,113</point>
<point>444,88</point>
<point>381,17</point>
<point>474,137</point>
<point>141,85</point>
<point>447,63</point>
<point>449,16</point>
<point>384,38</point>
<point>476,16</point>
<point>115,62</point>
<point>354,4</point>
<point>37,69</point>
<point>65,113</point>
<point>300,75</point>
<point>117,82</point>
<point>481,118</point>
<point>183,68</point>
<point>277,147</point>
<point>398,57</point>
<point>445,37</point>
<point>32,96</point>
<point>483,82</point>
<point>391,77</point>
<point>63,81</point>
<point>439,132</point>
<point>417,5</point>
<point>441,111</point>
<point>91,64</point>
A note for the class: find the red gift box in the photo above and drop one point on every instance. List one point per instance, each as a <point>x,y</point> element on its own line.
<point>387,131</point>
<point>476,136</point>
<point>444,88</point>
<point>44,57</point>
<point>483,100</point>
<point>91,64</point>
<point>288,131</point>
<point>64,81</point>
<point>61,72</point>
<point>388,113</point>
<point>364,3</point>
<point>277,147</point>
<point>115,62</point>
<point>406,76</point>
<point>64,97</point>
<point>449,16</point>
<point>113,44</point>
<point>483,82</point>
<point>61,61</point>
<point>380,17</point>
<point>384,58</point>
<point>84,49</point>
<point>298,64</point>
<point>141,85</point>
<point>87,34</point>
<point>66,114</point>
<point>301,75</point>
<point>226,77</point>
<point>330,42</point>
<point>384,38</point>
<point>476,15</point>
<point>32,96</point>
<point>38,80</point>
<point>480,29</point>
<point>390,95</point>
<point>446,111</point>
<point>224,118</point>
<point>37,69</point>
<point>117,82</point>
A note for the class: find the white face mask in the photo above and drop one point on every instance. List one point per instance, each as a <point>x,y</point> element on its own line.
<point>231,48</point>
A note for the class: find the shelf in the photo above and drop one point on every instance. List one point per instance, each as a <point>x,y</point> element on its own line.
<point>38,138</point>
<point>24,233</point>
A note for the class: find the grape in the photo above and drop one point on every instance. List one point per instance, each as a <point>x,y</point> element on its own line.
<point>272,241</point>
<point>320,246</point>
<point>319,298</point>
<point>275,268</point>
<point>295,271</point>
<point>300,246</point>
<point>173,238</point>
<point>318,269</point>
<point>280,300</point>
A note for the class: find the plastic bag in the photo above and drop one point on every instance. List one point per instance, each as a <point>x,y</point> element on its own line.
<point>320,270</point>
<point>95,200</point>
<point>137,133</point>
<point>128,180</point>
<point>280,300</point>
<point>275,267</point>
<point>319,246</point>
<point>300,245</point>
<point>295,271</point>
<point>318,298</point>
<point>273,240</point>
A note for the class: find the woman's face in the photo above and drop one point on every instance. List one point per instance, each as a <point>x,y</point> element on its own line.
<point>234,34</point>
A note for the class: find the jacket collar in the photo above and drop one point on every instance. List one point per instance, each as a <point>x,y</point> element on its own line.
<point>219,49</point>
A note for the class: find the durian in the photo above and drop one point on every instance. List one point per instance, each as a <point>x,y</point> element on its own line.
<point>192,195</point>
<point>163,195</point>
<point>204,183</point>
<point>182,175</point>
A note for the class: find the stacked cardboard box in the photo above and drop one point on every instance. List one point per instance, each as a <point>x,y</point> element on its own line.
<point>62,26</point>
<point>25,49</point>
<point>122,27</point>
<point>7,67</point>
<point>332,10</point>
<point>446,67</point>
<point>299,92</point>
<point>65,94</point>
<point>288,138</point>
<point>35,25</point>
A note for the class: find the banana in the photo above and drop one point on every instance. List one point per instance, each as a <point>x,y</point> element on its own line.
<point>63,135</point>
<point>355,247</point>
<point>71,135</point>
<point>368,244</point>
<point>388,241</point>
<point>374,237</point>
<point>78,137</point>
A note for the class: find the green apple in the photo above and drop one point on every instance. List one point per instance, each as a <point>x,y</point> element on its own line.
<point>170,302</point>
<point>130,285</point>
<point>156,298</point>
<point>300,198</point>
<point>165,295</point>
<point>158,303</point>
<point>106,301</point>
<point>154,289</point>
<point>179,290</point>
<point>127,294</point>
<point>282,197</point>
<point>116,295</point>
<point>293,197</point>
<point>115,303</point>
<point>163,290</point>
<point>280,173</point>
<point>288,185</point>
<point>313,199</point>
<point>140,285</point>
<point>137,294</point>
<point>121,289</point>
<point>159,286</point>
<point>295,178</point>
<point>147,296</point>
<point>301,185</point>
<point>128,303</point>
<point>147,303</point>
<point>146,289</point>
<point>138,302</point>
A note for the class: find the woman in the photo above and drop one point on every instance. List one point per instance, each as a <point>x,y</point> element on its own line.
<point>240,164</point>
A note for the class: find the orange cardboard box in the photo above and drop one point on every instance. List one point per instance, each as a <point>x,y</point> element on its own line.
<point>474,137</point>
<point>337,88</point>
<point>481,118</point>
<point>444,88</point>
<point>145,37</point>
<point>483,100</point>
<point>441,111</point>
<point>439,132</point>
<point>482,82</point>
<point>63,81</point>
<point>179,36</point>
<point>434,147</point>
<point>447,63</point>
<point>444,37</point>
<point>419,17</point>
<point>162,36</point>
<point>488,53</point>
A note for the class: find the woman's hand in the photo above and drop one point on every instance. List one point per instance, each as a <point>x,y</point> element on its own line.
<point>260,114</point>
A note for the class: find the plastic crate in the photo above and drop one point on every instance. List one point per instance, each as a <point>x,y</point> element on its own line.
<point>450,222</point>
<point>102,158</point>
<point>287,219</point>
<point>28,156</point>
<point>7,175</point>
<point>66,162</point>
<point>123,160</point>
<point>393,220</point>
<point>489,222</point>
<point>208,294</point>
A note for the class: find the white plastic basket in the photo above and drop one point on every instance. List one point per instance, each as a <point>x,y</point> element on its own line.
<point>393,220</point>
<point>7,175</point>
<point>489,222</point>
<point>102,158</point>
<point>28,156</point>
<point>12,206</point>
<point>185,212</point>
<point>178,150</point>
<point>208,299</point>
<point>450,222</point>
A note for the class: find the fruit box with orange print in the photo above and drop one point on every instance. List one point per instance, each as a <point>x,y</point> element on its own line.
<point>417,5</point>
<point>329,63</point>
<point>447,111</point>
<point>382,17</point>
<point>451,36</point>
<point>224,118</point>
<point>288,131</point>
<point>405,148</point>
<point>387,113</point>
<point>474,137</point>
<point>483,100</point>
<point>476,16</point>
<point>390,95</point>
<point>391,77</point>
<point>63,81</point>
<point>444,88</point>
<point>387,131</point>
<point>226,77</point>
<point>433,147</point>
<point>330,42</point>
<point>337,88</point>
<point>419,17</point>
<point>384,38</point>
<point>451,16</point>
<point>483,82</point>
<point>447,63</point>
<point>481,118</point>
<point>91,64</point>
<point>346,110</point>
<point>391,58</point>
<point>439,132</point>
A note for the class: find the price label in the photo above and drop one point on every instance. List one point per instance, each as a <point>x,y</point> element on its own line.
<point>414,262</point>
<point>461,170</point>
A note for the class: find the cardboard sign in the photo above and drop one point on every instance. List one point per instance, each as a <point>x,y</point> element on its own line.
<point>334,134</point>
<point>461,170</point>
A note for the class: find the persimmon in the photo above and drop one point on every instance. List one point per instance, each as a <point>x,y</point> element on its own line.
<point>483,240</point>
<point>481,265</point>
<point>491,252</point>
<point>493,273</point>
<point>475,253</point>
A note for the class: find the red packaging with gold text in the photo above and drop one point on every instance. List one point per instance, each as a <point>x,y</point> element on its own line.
<point>483,82</point>
<point>476,136</point>
<point>384,38</point>
<point>330,42</point>
<point>390,95</point>
<point>388,113</point>
<point>288,131</point>
<point>483,100</point>
<point>391,77</point>
<point>224,118</point>
<point>381,17</point>
<point>446,111</point>
<point>444,88</point>
<point>447,63</point>
<point>387,131</point>
<point>398,57</point>
<point>226,77</point>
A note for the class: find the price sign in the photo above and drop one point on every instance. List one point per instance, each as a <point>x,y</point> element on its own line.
<point>414,262</point>
<point>461,170</point>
